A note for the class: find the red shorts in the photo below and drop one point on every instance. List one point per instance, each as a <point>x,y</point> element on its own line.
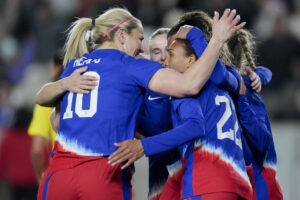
<point>94,179</point>
<point>173,187</point>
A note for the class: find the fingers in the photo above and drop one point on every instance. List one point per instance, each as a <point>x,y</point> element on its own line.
<point>232,14</point>
<point>236,28</point>
<point>91,78</point>
<point>236,20</point>
<point>81,70</point>
<point>255,81</point>
<point>216,17</point>
<point>128,163</point>
<point>226,13</point>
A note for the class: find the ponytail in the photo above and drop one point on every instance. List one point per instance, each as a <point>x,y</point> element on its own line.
<point>85,34</point>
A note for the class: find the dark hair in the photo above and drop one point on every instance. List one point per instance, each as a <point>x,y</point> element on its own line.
<point>186,46</point>
<point>198,19</point>
<point>202,21</point>
<point>58,57</point>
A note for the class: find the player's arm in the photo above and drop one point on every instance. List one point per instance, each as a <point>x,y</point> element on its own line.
<point>191,127</point>
<point>50,93</point>
<point>38,155</point>
<point>170,82</point>
<point>55,117</point>
<point>220,76</point>
<point>255,128</point>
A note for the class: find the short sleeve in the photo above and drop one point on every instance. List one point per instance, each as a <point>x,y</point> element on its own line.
<point>40,124</point>
<point>142,70</point>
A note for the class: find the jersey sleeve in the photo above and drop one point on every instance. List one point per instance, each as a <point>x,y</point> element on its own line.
<point>264,74</point>
<point>255,128</point>
<point>142,70</point>
<point>191,126</point>
<point>40,124</point>
<point>220,76</point>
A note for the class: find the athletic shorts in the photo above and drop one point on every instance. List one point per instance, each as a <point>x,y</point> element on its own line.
<point>92,180</point>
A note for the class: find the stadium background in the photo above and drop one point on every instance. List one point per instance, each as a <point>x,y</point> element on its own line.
<point>32,30</point>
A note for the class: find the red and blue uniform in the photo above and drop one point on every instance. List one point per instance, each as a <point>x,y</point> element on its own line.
<point>157,112</point>
<point>258,141</point>
<point>207,131</point>
<point>91,123</point>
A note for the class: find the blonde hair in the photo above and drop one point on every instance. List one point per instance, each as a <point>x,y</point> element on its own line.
<point>242,47</point>
<point>84,37</point>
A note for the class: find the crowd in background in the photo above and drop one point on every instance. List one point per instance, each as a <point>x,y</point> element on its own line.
<point>32,30</point>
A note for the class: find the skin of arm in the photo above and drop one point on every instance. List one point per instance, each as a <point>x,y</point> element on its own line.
<point>55,117</point>
<point>170,82</point>
<point>38,155</point>
<point>50,93</point>
<point>165,81</point>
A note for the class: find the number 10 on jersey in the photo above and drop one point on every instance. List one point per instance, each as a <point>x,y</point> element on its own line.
<point>78,101</point>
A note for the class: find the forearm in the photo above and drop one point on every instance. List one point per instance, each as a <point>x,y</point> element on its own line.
<point>50,93</point>
<point>199,72</point>
<point>38,156</point>
<point>220,76</point>
<point>189,130</point>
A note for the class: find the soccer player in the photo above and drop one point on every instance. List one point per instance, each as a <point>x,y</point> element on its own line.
<point>207,133</point>
<point>259,150</point>
<point>91,124</point>
<point>157,109</point>
<point>40,128</point>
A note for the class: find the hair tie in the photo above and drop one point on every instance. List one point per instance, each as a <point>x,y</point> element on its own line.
<point>93,23</point>
<point>115,26</point>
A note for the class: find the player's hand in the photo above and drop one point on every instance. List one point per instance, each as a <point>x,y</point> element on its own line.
<point>226,26</point>
<point>78,83</point>
<point>183,31</point>
<point>129,151</point>
<point>255,80</point>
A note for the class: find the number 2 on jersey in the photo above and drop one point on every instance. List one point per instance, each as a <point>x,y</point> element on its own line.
<point>78,102</point>
<point>230,134</point>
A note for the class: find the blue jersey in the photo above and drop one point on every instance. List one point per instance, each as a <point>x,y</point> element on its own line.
<point>257,139</point>
<point>156,113</point>
<point>207,131</point>
<point>91,123</point>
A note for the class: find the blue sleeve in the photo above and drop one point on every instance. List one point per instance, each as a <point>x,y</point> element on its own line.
<point>255,128</point>
<point>142,70</point>
<point>147,127</point>
<point>220,76</point>
<point>264,74</point>
<point>191,127</point>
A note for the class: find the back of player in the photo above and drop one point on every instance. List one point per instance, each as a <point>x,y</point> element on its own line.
<point>88,129</point>
<point>213,163</point>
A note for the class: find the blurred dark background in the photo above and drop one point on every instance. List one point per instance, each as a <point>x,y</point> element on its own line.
<point>32,30</point>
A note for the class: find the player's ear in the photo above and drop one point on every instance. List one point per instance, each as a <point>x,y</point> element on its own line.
<point>191,59</point>
<point>121,35</point>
